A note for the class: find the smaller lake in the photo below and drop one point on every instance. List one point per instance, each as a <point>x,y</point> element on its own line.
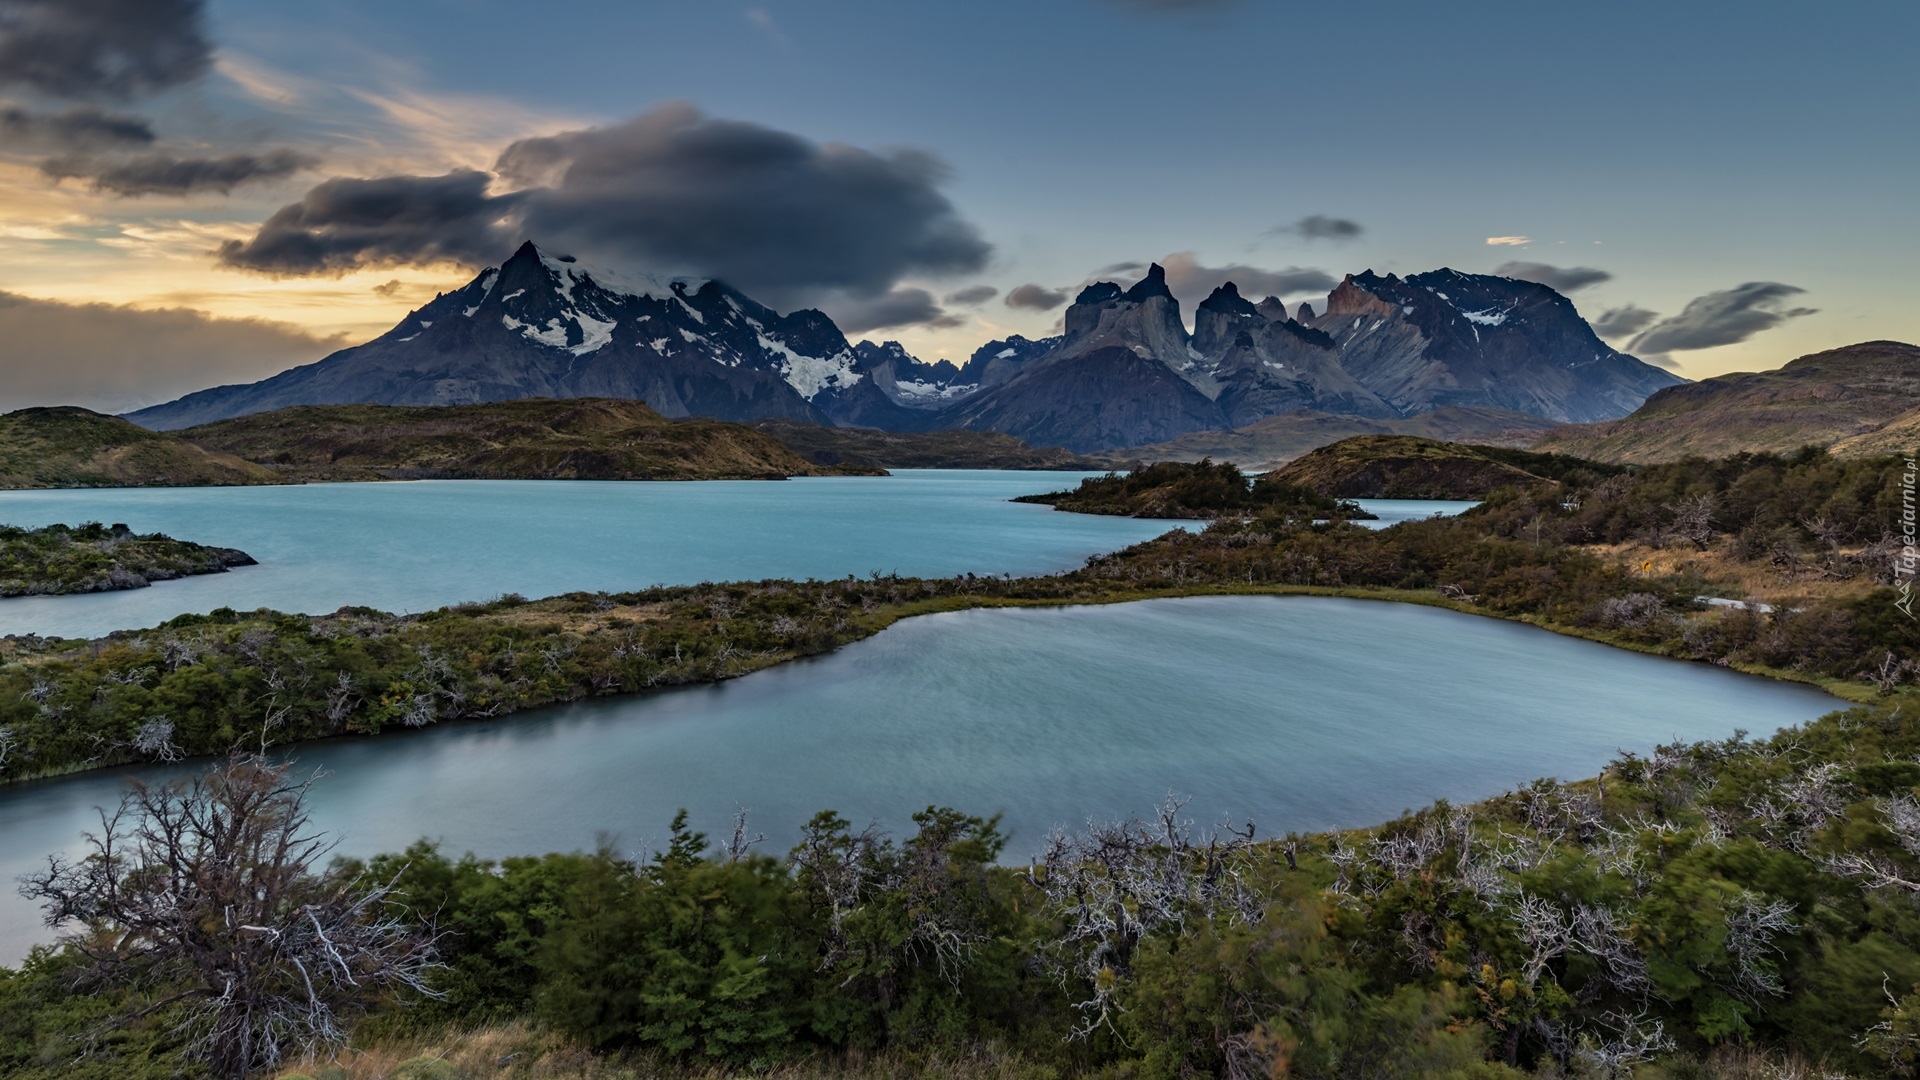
<point>415,546</point>
<point>1297,712</point>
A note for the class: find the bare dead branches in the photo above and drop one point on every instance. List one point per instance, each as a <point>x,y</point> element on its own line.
<point>1117,883</point>
<point>208,894</point>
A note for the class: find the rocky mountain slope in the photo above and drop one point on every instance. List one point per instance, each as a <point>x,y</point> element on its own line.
<point>1448,338</point>
<point>531,439</point>
<point>1859,399</point>
<point>1124,371</point>
<point>70,447</point>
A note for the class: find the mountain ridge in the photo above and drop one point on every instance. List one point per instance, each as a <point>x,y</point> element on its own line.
<point>1123,371</point>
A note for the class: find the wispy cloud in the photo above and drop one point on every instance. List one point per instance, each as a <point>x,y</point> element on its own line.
<point>762,20</point>
<point>1564,279</point>
<point>1722,318</point>
<point>1509,241</point>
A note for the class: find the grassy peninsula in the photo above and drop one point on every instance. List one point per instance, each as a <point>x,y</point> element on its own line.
<point>1203,490</point>
<point>97,558</point>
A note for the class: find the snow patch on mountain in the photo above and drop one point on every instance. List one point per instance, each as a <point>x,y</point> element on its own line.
<point>811,374</point>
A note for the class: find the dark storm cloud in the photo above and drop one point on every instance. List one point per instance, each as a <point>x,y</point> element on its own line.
<point>82,127</point>
<point>1190,281</point>
<point>784,219</point>
<point>1558,278</point>
<point>114,48</point>
<point>767,211</point>
<point>898,307</point>
<point>345,224</point>
<point>1321,227</point>
<point>108,357</point>
<point>1722,318</point>
<point>1035,297</point>
<point>972,295</point>
<point>164,174</point>
<point>1623,321</point>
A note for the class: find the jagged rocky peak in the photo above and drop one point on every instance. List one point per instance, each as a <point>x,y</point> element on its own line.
<point>1305,314</point>
<point>1145,316</point>
<point>1100,292</point>
<point>1272,309</point>
<point>1227,299</point>
<point>1154,284</point>
<point>1221,317</point>
<point>1356,296</point>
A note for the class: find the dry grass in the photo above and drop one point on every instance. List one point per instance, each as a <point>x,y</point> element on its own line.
<point>519,1051</point>
<point>1731,577</point>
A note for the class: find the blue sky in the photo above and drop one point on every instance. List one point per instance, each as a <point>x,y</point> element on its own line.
<point>1684,149</point>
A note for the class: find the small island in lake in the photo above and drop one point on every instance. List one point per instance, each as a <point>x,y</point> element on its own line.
<point>1202,490</point>
<point>101,558</point>
<point>1405,467</point>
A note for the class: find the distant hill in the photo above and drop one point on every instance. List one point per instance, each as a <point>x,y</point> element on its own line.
<point>1403,467</point>
<point>529,439</point>
<point>868,448</point>
<point>70,447</point>
<point>1861,399</point>
<point>1276,440</point>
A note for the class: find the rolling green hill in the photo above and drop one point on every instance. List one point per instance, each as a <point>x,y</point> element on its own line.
<point>530,439</point>
<point>1839,398</point>
<point>1403,467</point>
<point>70,447</point>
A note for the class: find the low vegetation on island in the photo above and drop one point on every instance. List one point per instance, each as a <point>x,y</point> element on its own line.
<point>1203,490</point>
<point>97,558</point>
<point>1404,467</point>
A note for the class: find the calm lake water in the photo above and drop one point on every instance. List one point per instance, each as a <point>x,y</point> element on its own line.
<point>1299,712</point>
<point>417,546</point>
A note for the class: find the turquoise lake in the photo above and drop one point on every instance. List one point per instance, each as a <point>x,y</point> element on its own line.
<point>415,546</point>
<point>1296,712</point>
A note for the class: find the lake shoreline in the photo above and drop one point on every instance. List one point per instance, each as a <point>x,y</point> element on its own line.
<point>869,624</point>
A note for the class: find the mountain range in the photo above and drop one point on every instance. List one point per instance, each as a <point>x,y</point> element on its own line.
<point>1123,372</point>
